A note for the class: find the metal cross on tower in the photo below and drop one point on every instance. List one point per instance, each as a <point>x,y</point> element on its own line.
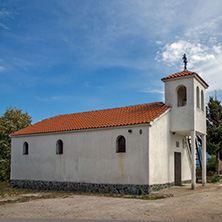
<point>185,61</point>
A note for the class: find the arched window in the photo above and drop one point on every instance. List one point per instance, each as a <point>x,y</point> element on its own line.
<point>25,148</point>
<point>202,100</point>
<point>59,147</point>
<point>120,144</point>
<point>198,97</point>
<point>182,96</point>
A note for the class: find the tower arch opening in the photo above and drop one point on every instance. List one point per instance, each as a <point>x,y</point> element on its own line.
<point>202,100</point>
<point>181,96</point>
<point>198,97</point>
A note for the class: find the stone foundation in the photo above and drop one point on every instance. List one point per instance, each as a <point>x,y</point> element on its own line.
<point>128,189</point>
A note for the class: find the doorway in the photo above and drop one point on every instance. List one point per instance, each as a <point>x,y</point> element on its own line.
<point>177,169</point>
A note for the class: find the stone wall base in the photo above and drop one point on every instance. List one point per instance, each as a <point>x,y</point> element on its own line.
<point>127,189</point>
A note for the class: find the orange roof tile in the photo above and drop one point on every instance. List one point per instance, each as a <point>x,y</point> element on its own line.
<point>184,73</point>
<point>129,115</point>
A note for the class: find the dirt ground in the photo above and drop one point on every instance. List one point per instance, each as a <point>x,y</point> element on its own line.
<point>202,204</point>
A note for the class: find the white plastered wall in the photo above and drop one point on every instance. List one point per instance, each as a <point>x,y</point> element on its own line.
<point>162,145</point>
<point>182,117</point>
<point>188,117</point>
<point>199,114</point>
<point>88,156</point>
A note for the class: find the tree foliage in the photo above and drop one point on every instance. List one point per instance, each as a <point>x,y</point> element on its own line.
<point>214,129</point>
<point>211,163</point>
<point>214,126</point>
<point>11,121</point>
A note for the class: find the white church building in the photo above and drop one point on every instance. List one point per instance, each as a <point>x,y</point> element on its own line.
<point>132,150</point>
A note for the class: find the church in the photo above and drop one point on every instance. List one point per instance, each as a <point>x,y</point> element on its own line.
<point>131,150</point>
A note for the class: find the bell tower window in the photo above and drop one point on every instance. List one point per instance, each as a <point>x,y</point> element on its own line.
<point>198,97</point>
<point>202,100</point>
<point>182,96</point>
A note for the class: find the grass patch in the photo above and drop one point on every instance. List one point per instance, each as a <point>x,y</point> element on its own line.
<point>6,191</point>
<point>13,195</point>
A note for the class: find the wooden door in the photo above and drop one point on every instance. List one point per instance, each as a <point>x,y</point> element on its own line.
<point>177,169</point>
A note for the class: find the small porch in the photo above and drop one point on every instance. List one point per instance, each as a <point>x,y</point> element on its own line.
<point>195,143</point>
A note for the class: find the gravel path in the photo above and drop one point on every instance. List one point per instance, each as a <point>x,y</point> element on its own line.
<point>203,204</point>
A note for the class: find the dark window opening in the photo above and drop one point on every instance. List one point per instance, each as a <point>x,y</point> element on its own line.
<point>198,97</point>
<point>182,96</point>
<point>121,145</point>
<point>59,147</point>
<point>25,148</point>
<point>202,100</point>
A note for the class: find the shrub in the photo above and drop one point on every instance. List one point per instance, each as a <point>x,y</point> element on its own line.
<point>215,178</point>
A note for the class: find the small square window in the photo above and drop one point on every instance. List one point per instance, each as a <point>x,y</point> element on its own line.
<point>177,144</point>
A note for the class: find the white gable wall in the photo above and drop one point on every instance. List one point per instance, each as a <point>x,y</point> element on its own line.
<point>161,153</point>
<point>88,156</point>
<point>199,114</point>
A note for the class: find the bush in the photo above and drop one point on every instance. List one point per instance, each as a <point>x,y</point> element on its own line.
<point>4,170</point>
<point>215,178</point>
<point>210,173</point>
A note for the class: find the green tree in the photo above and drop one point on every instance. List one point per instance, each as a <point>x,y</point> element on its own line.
<point>211,163</point>
<point>11,121</point>
<point>214,129</point>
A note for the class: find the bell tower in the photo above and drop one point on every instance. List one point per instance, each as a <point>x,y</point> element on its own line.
<point>185,93</point>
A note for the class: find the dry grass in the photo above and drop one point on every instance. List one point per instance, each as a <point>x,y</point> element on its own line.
<point>6,191</point>
<point>12,195</point>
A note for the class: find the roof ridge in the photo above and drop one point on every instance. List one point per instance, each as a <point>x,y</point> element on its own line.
<point>118,116</point>
<point>91,111</point>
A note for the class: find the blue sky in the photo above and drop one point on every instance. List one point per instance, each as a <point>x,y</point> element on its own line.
<point>66,56</point>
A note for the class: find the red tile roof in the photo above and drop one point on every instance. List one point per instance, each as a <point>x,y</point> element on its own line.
<point>129,115</point>
<point>184,73</point>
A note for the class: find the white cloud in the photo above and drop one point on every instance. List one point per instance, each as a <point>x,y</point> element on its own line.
<point>199,37</point>
<point>2,68</point>
<point>152,91</point>
<point>209,28</point>
<point>51,98</point>
<point>196,53</point>
<point>4,16</point>
<point>4,26</point>
<point>159,42</point>
<point>204,59</point>
<point>211,72</point>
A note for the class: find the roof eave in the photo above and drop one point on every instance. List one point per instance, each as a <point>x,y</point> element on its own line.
<point>160,116</point>
<point>81,130</point>
<point>187,76</point>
